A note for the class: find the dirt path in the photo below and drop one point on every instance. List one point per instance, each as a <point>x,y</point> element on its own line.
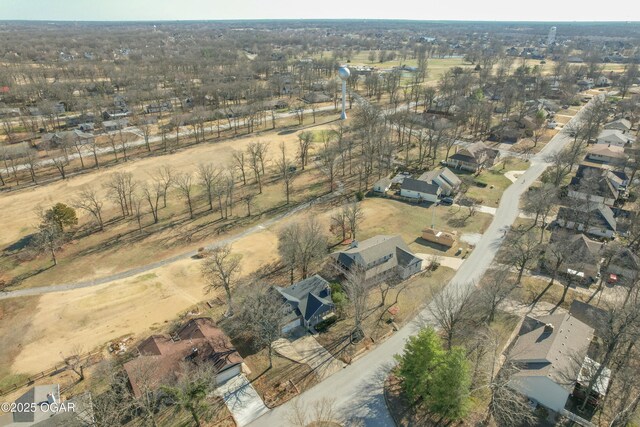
<point>155,265</point>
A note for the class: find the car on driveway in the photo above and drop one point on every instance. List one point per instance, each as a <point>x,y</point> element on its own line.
<point>447,201</point>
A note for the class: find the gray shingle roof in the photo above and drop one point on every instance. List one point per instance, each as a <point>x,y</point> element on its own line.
<point>309,296</point>
<point>556,352</point>
<point>419,186</point>
<point>377,255</point>
<point>600,215</point>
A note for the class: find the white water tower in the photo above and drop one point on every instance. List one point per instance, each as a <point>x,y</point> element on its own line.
<point>551,38</point>
<point>344,74</point>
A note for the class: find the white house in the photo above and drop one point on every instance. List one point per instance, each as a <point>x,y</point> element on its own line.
<point>623,125</point>
<point>550,352</point>
<point>382,185</point>
<point>611,154</point>
<point>443,178</point>
<point>419,189</point>
<point>614,137</point>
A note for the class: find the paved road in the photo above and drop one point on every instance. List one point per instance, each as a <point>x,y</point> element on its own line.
<point>358,389</point>
<point>145,268</point>
<point>87,153</point>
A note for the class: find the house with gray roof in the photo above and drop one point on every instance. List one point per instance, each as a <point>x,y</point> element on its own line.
<point>310,302</point>
<point>596,187</point>
<point>625,263</point>
<point>583,255</point>
<point>379,258</point>
<point>594,219</point>
<point>614,137</point>
<point>623,125</point>
<point>419,189</point>
<point>473,157</point>
<point>382,185</point>
<point>550,352</point>
<point>443,178</point>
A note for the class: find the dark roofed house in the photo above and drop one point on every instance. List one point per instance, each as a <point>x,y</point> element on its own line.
<point>601,188</point>
<point>310,301</point>
<point>379,258</point>
<point>420,189</point>
<point>316,97</point>
<point>473,157</point>
<point>199,341</point>
<point>625,263</point>
<point>583,259</point>
<point>596,220</point>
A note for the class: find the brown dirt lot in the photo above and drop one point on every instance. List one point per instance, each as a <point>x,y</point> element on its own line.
<point>121,245</point>
<point>57,323</point>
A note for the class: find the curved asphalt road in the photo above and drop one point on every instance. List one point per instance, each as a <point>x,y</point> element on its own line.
<point>62,287</point>
<point>358,388</point>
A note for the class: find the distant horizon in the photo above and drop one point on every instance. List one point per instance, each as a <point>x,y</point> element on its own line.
<point>259,10</point>
<point>516,21</point>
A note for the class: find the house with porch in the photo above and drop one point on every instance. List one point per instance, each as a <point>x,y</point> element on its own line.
<point>309,301</point>
<point>378,259</point>
<point>473,157</point>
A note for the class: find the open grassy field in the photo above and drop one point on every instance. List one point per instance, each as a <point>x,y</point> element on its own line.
<point>122,245</point>
<point>388,216</point>
<point>59,322</point>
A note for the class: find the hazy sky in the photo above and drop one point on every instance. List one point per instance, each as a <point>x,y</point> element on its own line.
<point>521,10</point>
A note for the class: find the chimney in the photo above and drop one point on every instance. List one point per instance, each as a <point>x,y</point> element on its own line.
<point>548,329</point>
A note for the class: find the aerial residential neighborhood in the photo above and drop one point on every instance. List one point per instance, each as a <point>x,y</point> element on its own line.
<point>249,215</point>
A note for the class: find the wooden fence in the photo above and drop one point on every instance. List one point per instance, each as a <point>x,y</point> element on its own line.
<point>49,372</point>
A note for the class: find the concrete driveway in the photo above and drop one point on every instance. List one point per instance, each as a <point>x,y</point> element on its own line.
<point>358,389</point>
<point>306,349</point>
<point>445,261</point>
<point>242,399</point>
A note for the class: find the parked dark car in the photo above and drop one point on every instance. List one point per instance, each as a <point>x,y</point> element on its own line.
<point>446,201</point>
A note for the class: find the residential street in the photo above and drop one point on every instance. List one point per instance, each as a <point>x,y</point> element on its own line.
<point>358,389</point>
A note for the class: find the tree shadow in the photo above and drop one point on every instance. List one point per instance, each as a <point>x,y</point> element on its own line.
<point>21,244</point>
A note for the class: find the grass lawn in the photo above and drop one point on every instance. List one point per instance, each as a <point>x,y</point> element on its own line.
<point>495,183</point>
<point>413,294</point>
<point>390,216</point>
<point>532,287</point>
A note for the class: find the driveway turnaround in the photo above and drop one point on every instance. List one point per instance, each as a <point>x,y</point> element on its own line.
<point>242,399</point>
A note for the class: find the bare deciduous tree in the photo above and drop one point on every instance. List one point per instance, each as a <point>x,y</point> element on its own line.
<point>262,317</point>
<point>286,170</point>
<point>354,214</point>
<point>184,185</point>
<point>454,308</point>
<point>208,176</point>
<point>301,245</point>
<point>220,269</point>
<point>89,201</point>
